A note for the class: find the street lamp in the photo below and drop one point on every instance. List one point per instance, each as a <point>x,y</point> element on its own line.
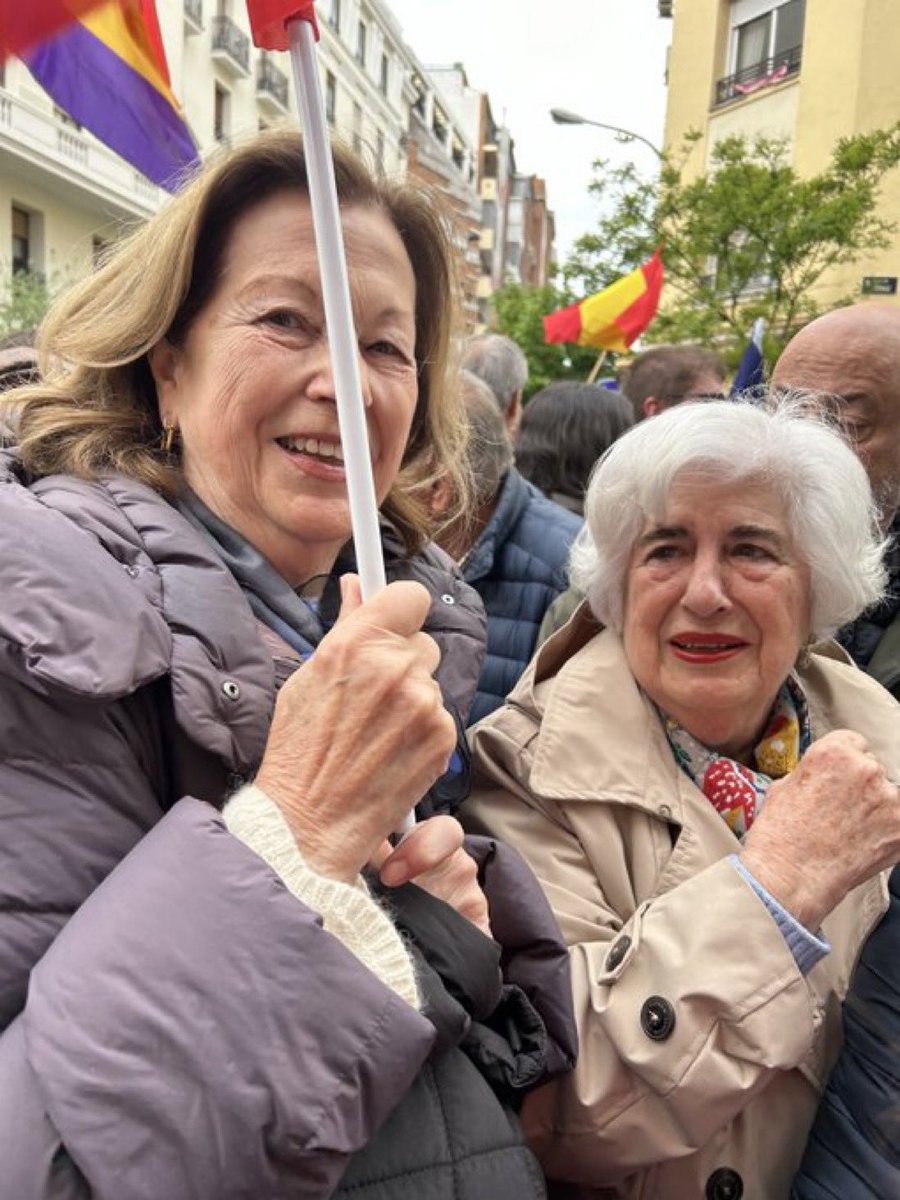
<point>562,116</point>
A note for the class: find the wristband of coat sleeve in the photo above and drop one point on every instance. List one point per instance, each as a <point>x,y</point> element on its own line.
<point>806,948</point>
<point>348,912</point>
<point>192,1001</point>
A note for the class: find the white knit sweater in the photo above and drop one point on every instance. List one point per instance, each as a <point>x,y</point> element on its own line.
<point>348,911</point>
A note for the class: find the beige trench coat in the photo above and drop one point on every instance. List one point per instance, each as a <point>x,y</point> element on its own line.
<point>703,1048</point>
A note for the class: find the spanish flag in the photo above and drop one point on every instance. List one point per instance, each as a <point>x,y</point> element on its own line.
<point>108,70</point>
<point>614,318</point>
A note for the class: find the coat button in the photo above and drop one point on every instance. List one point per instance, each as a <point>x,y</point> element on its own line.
<point>231,690</point>
<point>617,952</point>
<point>657,1018</point>
<point>724,1184</point>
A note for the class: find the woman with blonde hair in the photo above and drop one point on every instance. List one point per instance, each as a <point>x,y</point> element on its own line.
<point>208,738</point>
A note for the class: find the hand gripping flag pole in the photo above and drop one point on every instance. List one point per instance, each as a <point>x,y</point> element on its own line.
<point>291,24</point>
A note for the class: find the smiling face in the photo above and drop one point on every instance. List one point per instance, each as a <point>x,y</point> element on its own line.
<point>251,388</point>
<point>716,610</point>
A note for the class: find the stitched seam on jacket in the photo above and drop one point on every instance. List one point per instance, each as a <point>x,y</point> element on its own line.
<point>411,1172</point>
<point>22,907</point>
<point>446,1124</point>
<point>313,1138</point>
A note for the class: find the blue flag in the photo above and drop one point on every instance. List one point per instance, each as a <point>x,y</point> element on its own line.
<point>750,368</point>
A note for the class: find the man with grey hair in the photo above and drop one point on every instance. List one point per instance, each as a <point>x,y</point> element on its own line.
<point>499,362</point>
<point>850,359</point>
<point>512,547</point>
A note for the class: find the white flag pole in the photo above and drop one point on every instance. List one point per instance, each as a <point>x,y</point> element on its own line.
<point>339,318</point>
<point>273,22</point>
<point>338,311</point>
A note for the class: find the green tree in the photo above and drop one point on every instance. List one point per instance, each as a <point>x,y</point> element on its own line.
<point>519,308</point>
<point>749,239</point>
<point>23,302</point>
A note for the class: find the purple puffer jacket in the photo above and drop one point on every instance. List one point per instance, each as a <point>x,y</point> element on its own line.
<point>162,996</point>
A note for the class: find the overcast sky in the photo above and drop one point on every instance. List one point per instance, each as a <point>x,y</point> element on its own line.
<point>604,59</point>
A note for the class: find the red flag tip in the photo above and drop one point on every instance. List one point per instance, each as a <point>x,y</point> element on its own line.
<point>269,21</point>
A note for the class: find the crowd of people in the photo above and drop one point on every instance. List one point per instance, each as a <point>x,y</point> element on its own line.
<point>636,670</point>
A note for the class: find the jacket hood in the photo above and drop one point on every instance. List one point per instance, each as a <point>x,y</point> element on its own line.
<point>124,593</point>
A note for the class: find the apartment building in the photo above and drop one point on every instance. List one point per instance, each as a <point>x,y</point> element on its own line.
<point>808,71</point>
<point>63,194</point>
<point>514,241</point>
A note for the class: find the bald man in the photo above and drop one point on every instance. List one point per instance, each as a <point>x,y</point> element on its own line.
<point>852,357</point>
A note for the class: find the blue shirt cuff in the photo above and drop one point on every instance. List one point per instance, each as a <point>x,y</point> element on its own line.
<point>806,948</point>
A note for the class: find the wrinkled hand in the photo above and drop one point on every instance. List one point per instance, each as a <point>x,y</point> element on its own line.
<point>432,857</point>
<point>831,824</point>
<point>360,732</point>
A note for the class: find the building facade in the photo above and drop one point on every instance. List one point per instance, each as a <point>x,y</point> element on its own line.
<point>64,195</point>
<point>807,71</point>
<point>515,226</point>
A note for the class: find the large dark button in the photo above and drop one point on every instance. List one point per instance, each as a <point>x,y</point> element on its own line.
<point>657,1018</point>
<point>724,1184</point>
<point>617,952</point>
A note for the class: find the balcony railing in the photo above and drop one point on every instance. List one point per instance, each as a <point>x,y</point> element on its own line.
<point>193,15</point>
<point>230,44</point>
<point>271,84</point>
<point>93,175</point>
<point>760,75</point>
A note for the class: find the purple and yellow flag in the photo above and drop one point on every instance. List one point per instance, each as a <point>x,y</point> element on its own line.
<point>108,70</point>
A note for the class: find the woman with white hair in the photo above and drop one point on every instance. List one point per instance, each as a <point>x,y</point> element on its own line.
<point>706,795</point>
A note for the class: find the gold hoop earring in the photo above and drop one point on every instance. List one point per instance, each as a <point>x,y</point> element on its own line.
<point>168,438</point>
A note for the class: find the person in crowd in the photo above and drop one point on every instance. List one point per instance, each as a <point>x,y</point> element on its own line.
<point>854,1148</point>
<point>708,797</point>
<point>850,360</point>
<point>565,428</point>
<point>208,737</point>
<point>656,380</point>
<point>664,376</point>
<point>18,366</point>
<point>501,364</point>
<point>18,359</point>
<point>512,547</point>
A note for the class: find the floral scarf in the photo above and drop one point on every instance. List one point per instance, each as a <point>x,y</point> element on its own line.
<point>737,792</point>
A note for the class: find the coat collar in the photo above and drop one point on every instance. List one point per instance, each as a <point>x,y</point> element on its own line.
<point>580,688</point>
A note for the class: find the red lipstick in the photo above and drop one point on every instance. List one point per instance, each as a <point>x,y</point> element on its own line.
<point>695,647</point>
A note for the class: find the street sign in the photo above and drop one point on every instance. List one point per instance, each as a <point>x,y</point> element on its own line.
<point>879,285</point>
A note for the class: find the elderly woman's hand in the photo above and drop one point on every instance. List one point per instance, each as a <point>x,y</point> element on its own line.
<point>824,829</point>
<point>360,732</point>
<point>432,857</point>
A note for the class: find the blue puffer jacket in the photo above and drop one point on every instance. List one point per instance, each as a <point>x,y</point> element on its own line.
<point>854,1149</point>
<point>518,567</point>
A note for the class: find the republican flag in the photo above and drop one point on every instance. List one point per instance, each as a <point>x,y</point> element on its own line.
<point>750,369</point>
<point>614,318</point>
<point>23,25</point>
<point>108,71</point>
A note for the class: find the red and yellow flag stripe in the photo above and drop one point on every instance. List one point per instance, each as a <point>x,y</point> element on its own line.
<point>614,318</point>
